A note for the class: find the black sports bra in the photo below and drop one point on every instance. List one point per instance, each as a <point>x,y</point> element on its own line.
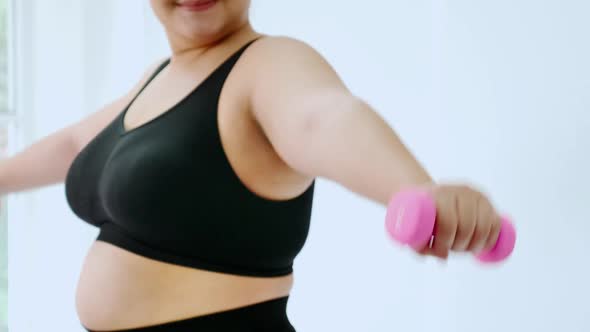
<point>165,190</point>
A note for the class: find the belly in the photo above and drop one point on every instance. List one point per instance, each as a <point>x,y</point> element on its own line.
<point>118,289</point>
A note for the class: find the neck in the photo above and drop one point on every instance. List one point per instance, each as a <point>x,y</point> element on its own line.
<point>238,35</point>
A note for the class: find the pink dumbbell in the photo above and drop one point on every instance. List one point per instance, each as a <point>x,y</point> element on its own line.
<point>410,219</point>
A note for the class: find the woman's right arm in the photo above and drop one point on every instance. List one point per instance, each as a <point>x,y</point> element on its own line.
<point>46,161</point>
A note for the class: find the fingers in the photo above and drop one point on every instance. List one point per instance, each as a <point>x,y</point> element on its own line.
<point>429,251</point>
<point>483,226</point>
<point>445,227</point>
<point>466,207</point>
<point>465,221</point>
<point>494,232</point>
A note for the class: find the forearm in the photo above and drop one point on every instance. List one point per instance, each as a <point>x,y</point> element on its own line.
<point>42,163</point>
<point>348,142</point>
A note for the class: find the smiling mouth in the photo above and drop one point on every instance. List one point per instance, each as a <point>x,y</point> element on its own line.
<point>196,5</point>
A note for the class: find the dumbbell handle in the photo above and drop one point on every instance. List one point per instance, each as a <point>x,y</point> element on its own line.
<point>410,219</point>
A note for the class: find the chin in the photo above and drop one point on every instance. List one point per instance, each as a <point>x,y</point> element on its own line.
<point>204,33</point>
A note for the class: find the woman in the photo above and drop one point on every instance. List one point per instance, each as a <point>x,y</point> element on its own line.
<point>201,177</point>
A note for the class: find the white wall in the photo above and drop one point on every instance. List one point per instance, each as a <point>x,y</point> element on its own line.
<point>495,93</point>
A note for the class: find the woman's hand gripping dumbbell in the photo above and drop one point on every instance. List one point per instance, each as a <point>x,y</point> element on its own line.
<point>435,220</point>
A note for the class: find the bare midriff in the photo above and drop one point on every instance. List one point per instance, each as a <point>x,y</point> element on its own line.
<point>119,289</point>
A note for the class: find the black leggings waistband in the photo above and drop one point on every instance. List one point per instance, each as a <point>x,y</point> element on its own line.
<point>267,316</point>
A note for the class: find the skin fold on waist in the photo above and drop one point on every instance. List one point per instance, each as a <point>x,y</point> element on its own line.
<point>118,289</point>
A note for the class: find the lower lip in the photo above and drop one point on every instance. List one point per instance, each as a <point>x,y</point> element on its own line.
<point>198,7</point>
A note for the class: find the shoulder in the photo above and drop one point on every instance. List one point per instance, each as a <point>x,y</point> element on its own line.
<point>268,46</point>
<point>274,63</point>
<point>152,69</point>
<point>281,52</point>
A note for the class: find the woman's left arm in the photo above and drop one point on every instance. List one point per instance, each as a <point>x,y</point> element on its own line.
<point>320,129</point>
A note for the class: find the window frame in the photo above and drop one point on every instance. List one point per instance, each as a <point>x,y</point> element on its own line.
<point>17,118</point>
